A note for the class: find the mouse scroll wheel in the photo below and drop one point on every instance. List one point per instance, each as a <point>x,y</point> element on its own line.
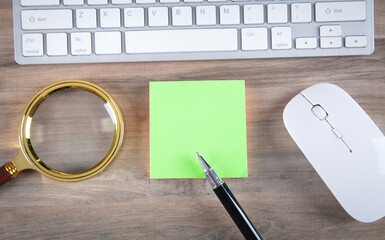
<point>320,113</point>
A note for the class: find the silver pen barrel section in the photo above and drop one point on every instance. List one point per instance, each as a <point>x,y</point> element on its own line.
<point>210,174</point>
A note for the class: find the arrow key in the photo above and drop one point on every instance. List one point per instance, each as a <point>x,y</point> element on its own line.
<point>330,31</point>
<point>305,43</point>
<point>331,42</point>
<point>356,41</point>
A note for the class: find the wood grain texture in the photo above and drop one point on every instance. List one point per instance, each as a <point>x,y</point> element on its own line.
<point>283,195</point>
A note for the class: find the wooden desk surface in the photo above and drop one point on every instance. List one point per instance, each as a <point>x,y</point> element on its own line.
<point>283,195</point>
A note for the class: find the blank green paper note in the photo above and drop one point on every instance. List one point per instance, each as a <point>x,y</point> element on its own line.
<point>208,117</point>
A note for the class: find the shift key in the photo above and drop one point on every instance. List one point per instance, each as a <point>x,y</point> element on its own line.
<point>46,19</point>
<point>340,11</point>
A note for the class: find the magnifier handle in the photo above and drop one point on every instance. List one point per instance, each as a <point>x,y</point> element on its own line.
<point>7,172</point>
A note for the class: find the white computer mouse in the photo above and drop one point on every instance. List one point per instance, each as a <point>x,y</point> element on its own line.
<point>344,146</point>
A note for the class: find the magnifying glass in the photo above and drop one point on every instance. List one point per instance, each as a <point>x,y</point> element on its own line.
<point>70,131</point>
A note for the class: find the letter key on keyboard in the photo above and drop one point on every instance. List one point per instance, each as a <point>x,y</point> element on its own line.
<point>85,31</point>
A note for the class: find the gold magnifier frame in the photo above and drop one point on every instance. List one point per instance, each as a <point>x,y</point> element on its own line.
<point>28,159</point>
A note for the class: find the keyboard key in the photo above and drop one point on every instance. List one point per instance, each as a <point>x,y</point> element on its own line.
<point>217,0</point>
<point>229,14</point>
<point>73,2</point>
<point>32,44</point>
<point>46,19</point>
<point>281,38</point>
<point>331,42</point>
<point>97,2</point>
<point>253,14</point>
<point>330,31</point>
<point>206,15</point>
<point>190,1</point>
<point>301,12</point>
<point>86,18</point>
<point>181,16</point>
<point>254,38</point>
<point>57,44</point>
<point>169,1</point>
<point>109,17</point>
<point>134,17</point>
<point>145,1</point>
<point>158,16</point>
<point>193,40</point>
<point>277,13</point>
<point>305,43</point>
<point>27,3</point>
<point>121,1</point>
<point>340,11</point>
<point>81,43</point>
<point>356,41</point>
<point>108,43</point>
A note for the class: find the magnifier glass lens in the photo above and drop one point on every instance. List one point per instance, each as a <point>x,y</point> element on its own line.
<point>71,130</point>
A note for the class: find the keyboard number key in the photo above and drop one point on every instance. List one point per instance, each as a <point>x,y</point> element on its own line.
<point>331,42</point>
<point>109,17</point>
<point>206,15</point>
<point>281,38</point>
<point>86,18</point>
<point>253,14</point>
<point>301,12</point>
<point>81,43</point>
<point>32,44</point>
<point>229,14</point>
<point>108,43</point>
<point>356,41</point>
<point>57,44</point>
<point>134,17</point>
<point>277,13</point>
<point>254,38</point>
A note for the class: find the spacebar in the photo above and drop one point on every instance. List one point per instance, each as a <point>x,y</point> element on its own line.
<point>191,40</point>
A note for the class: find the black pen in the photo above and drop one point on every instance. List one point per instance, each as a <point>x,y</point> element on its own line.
<point>230,202</point>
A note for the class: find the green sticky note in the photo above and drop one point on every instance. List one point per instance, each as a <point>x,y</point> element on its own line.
<point>208,117</point>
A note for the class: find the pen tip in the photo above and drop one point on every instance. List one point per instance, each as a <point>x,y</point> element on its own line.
<point>204,164</point>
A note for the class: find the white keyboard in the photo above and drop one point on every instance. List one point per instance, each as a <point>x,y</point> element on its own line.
<point>82,31</point>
